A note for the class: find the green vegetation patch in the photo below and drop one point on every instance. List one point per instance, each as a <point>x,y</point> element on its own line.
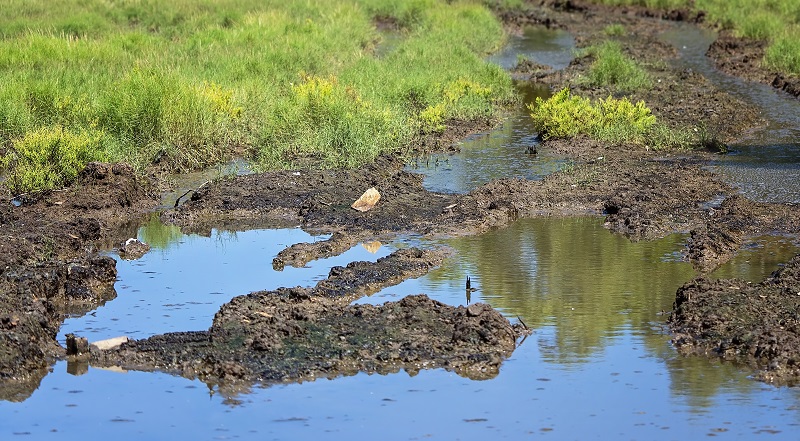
<point>615,121</point>
<point>613,68</point>
<point>611,120</point>
<point>191,83</point>
<point>51,157</point>
<point>776,21</point>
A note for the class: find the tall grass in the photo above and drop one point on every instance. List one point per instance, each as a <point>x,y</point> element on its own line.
<point>188,83</point>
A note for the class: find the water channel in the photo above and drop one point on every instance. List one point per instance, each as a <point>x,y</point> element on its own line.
<point>599,365</point>
<point>766,164</point>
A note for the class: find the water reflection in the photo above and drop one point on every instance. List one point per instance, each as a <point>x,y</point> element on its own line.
<point>505,152</point>
<point>596,302</point>
<point>571,274</point>
<point>765,164</point>
<point>759,258</point>
<point>182,282</point>
<point>551,47</point>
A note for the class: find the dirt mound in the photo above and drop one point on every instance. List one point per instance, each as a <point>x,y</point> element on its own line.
<point>736,320</point>
<point>294,334</point>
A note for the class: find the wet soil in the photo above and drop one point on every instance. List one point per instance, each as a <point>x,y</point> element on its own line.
<point>745,58</point>
<point>50,265</point>
<point>758,324</point>
<point>295,334</point>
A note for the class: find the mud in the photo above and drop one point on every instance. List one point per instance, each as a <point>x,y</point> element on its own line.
<point>757,324</point>
<point>50,266</point>
<point>295,334</point>
<point>744,58</point>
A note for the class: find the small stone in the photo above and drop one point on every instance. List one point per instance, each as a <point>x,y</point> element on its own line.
<point>111,343</point>
<point>475,309</point>
<point>77,345</point>
<point>367,200</point>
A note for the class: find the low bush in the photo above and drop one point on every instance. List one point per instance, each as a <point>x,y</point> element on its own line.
<point>611,120</point>
<point>51,157</point>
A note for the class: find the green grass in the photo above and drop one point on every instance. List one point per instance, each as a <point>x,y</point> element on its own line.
<point>190,83</point>
<point>776,21</point>
<point>614,30</point>
<point>615,69</point>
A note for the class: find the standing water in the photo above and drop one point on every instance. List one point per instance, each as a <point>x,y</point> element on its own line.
<point>506,152</point>
<point>597,366</point>
<point>766,163</point>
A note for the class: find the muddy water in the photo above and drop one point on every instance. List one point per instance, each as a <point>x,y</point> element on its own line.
<point>766,163</point>
<point>183,281</point>
<point>598,365</point>
<point>506,152</point>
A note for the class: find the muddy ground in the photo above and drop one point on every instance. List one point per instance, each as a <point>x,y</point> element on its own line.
<point>50,265</point>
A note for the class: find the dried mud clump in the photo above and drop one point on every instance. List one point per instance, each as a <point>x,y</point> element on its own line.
<point>758,324</point>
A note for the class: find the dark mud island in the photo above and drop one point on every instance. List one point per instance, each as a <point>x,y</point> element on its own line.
<point>52,264</point>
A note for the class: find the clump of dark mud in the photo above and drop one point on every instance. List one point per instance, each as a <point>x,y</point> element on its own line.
<point>49,266</point>
<point>758,324</point>
<point>294,334</point>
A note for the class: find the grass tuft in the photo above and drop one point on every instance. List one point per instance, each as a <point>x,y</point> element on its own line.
<point>613,68</point>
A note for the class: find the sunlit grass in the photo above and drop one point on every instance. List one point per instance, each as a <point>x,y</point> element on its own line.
<point>612,67</point>
<point>190,83</point>
<point>776,21</point>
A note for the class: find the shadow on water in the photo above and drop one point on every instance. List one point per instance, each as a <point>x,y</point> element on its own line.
<point>511,150</point>
<point>766,163</point>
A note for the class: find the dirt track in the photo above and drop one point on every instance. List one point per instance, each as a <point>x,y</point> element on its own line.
<point>49,262</point>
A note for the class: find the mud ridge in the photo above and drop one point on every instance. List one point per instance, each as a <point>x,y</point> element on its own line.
<point>297,334</point>
<point>757,324</point>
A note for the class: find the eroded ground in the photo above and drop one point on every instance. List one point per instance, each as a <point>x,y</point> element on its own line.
<point>50,266</point>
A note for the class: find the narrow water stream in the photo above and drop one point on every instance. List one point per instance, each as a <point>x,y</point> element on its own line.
<point>766,163</point>
<point>505,152</point>
<point>598,365</point>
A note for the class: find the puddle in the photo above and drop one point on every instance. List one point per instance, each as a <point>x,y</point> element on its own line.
<point>184,183</point>
<point>766,163</point>
<point>505,152</point>
<point>597,364</point>
<point>551,47</point>
<point>759,258</point>
<point>181,283</point>
<point>502,153</point>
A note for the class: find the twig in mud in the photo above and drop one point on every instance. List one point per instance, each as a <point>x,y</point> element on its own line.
<point>523,323</point>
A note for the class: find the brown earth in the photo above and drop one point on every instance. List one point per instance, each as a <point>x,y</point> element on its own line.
<point>50,265</point>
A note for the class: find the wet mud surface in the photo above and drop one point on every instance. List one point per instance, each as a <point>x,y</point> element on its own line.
<point>295,334</point>
<point>50,265</point>
<point>757,324</point>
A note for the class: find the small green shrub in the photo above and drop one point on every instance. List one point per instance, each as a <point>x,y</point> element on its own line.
<point>617,121</point>
<point>614,30</point>
<point>51,157</point>
<point>613,68</point>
